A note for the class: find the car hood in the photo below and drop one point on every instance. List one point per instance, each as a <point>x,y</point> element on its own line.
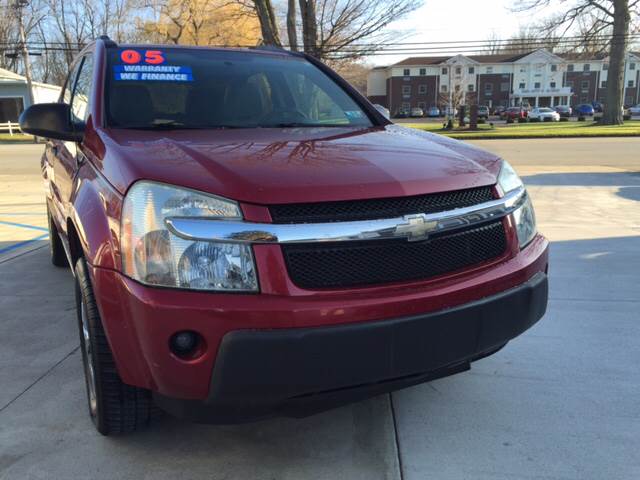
<point>270,166</point>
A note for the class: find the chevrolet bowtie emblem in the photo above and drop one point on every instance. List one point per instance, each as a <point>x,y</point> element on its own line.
<point>417,228</point>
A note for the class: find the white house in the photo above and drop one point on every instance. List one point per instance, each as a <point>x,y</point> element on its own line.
<point>14,96</point>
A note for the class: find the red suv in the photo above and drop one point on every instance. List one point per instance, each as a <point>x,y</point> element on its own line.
<point>249,237</point>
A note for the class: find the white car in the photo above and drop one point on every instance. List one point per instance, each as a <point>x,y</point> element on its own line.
<point>635,110</point>
<point>543,113</point>
<point>383,110</point>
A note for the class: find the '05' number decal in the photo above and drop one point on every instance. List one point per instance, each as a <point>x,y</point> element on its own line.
<point>152,57</point>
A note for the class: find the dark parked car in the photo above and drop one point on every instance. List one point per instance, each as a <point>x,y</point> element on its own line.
<point>597,107</point>
<point>565,111</point>
<point>242,249</point>
<point>584,110</point>
<point>499,110</point>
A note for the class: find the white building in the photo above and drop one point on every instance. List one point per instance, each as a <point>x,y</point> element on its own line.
<point>14,95</point>
<point>535,78</point>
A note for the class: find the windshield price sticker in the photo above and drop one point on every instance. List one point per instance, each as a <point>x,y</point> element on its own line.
<point>353,113</point>
<point>148,65</point>
<point>158,73</point>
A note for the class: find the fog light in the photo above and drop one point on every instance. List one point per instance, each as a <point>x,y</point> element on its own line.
<point>184,343</point>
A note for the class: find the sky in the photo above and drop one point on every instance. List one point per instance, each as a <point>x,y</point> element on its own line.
<point>458,20</point>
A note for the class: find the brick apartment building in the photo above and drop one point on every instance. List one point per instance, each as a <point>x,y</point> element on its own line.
<point>536,78</point>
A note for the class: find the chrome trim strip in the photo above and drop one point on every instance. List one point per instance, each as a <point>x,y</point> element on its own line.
<point>412,227</point>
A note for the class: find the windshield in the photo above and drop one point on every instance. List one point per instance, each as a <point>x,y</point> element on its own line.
<point>176,88</point>
<point>545,110</point>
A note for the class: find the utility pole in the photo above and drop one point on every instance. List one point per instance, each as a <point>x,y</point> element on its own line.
<point>25,51</point>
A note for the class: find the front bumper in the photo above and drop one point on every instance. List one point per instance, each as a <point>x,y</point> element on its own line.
<point>139,320</point>
<point>297,372</point>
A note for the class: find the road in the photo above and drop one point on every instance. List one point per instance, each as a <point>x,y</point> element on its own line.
<point>560,402</point>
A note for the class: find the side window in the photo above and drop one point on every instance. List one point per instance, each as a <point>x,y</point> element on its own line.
<point>82,91</point>
<point>68,87</point>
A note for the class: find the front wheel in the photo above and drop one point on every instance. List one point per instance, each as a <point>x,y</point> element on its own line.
<point>114,406</point>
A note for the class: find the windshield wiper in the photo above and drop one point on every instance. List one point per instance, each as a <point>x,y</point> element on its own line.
<point>302,124</point>
<point>164,125</point>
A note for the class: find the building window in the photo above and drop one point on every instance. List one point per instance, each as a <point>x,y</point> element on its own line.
<point>422,105</point>
<point>570,67</point>
<point>603,84</point>
<point>552,85</point>
<point>422,89</point>
<point>423,71</point>
<point>457,88</point>
<point>505,87</point>
<point>445,71</point>
<point>584,85</point>
<point>10,109</point>
<point>406,72</point>
<point>569,84</point>
<point>584,99</point>
<point>489,69</point>
<point>406,106</point>
<point>488,87</point>
<point>406,89</point>
<point>536,85</point>
<point>522,86</point>
<point>472,70</point>
<point>554,68</point>
<point>443,88</point>
<point>632,66</point>
<point>458,70</point>
<point>605,66</point>
<point>630,83</point>
<point>586,67</point>
<point>471,87</point>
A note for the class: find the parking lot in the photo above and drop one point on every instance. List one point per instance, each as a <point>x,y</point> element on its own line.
<point>559,402</point>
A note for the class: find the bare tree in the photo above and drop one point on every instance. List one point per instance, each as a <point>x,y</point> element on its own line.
<point>292,32</point>
<point>350,29</point>
<point>268,22</point>
<point>336,29</point>
<point>604,16</point>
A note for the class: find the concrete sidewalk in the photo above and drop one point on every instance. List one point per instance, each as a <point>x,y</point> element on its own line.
<point>560,402</point>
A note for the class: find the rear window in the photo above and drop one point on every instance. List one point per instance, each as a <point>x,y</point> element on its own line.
<point>195,88</point>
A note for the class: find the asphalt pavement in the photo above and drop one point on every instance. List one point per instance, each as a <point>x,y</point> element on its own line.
<point>559,402</point>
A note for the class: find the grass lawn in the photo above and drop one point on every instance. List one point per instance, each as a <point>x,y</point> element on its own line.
<point>16,137</point>
<point>536,130</point>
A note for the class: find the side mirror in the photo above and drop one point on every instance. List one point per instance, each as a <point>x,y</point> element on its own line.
<point>51,120</point>
<point>384,111</point>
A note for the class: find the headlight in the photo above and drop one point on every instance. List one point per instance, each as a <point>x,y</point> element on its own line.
<point>152,255</point>
<point>525,218</point>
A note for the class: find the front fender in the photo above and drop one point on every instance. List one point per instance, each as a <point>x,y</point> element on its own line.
<point>95,214</point>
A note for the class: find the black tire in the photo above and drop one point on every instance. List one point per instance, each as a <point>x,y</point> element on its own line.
<point>56,249</point>
<point>114,406</point>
